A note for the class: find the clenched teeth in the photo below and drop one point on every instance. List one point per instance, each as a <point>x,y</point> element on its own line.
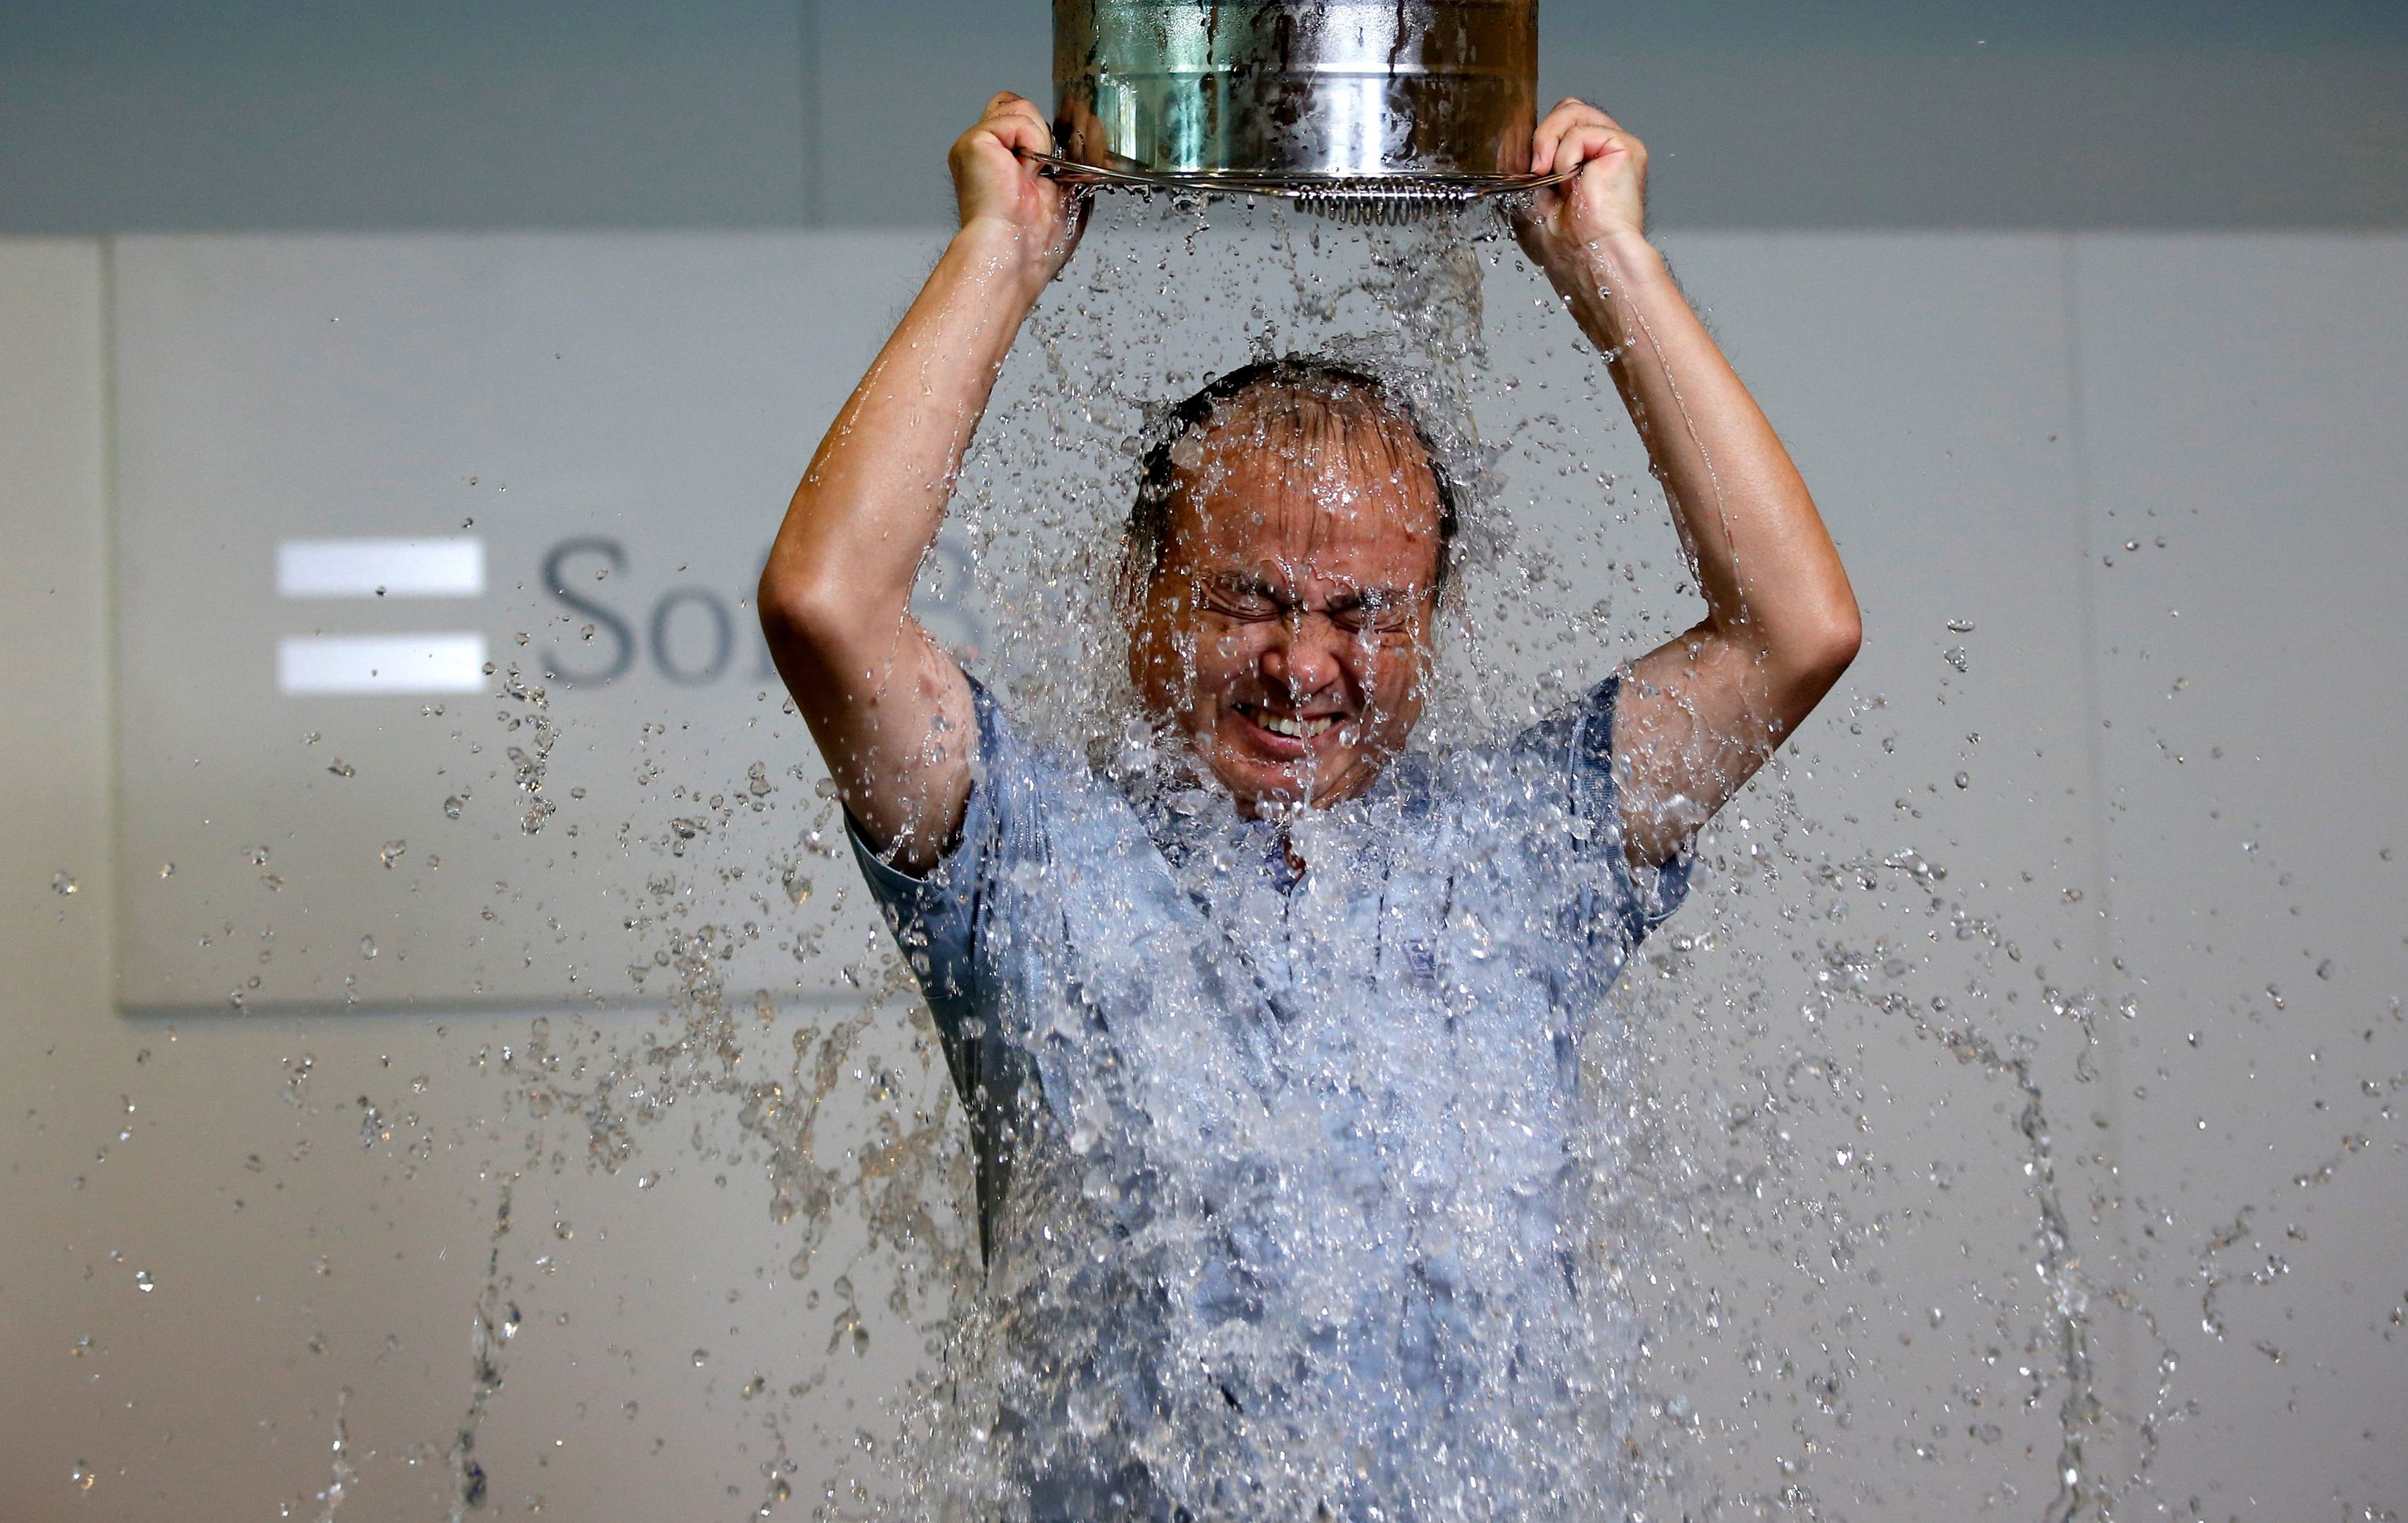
<point>1294,729</point>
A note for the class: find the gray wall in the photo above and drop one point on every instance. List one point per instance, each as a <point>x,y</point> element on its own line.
<point>2187,793</point>
<point>151,115</point>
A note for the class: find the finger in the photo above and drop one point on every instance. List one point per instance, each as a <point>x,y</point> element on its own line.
<point>1546,155</point>
<point>1011,108</point>
<point>1021,124</point>
<point>1599,115</point>
<point>1573,108</point>
<point>1023,132</point>
<point>1550,132</point>
<point>1586,144</point>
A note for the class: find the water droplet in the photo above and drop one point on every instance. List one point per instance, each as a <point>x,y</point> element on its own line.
<point>1964,779</point>
<point>1955,656</point>
<point>1960,626</point>
<point>452,806</point>
<point>340,768</point>
<point>82,1477</point>
<point>701,1357</point>
<point>368,947</point>
<point>62,884</point>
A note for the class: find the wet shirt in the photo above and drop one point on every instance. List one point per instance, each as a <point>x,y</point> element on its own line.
<point>1282,1176</point>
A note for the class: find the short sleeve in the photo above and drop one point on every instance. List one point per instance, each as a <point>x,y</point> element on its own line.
<point>941,920</point>
<point>1646,897</point>
<point>935,918</point>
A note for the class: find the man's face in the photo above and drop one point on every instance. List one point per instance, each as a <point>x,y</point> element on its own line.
<point>1287,634</point>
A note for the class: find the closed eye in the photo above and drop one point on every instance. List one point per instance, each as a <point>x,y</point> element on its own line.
<point>1245,600</point>
<point>1378,613</point>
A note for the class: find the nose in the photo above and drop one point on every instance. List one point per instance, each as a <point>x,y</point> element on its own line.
<point>1307,656</point>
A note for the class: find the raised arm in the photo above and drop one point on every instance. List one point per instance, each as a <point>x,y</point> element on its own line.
<point>890,711</point>
<point>1702,712</point>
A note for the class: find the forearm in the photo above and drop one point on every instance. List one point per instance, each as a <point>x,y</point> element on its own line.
<point>841,570</point>
<point>1765,565</point>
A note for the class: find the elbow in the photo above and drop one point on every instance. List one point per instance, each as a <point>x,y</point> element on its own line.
<point>801,605</point>
<point>1822,648</point>
<point>1841,636</point>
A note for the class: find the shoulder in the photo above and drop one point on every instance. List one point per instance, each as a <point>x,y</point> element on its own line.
<point>1010,768</point>
<point>1563,760</point>
<point>1032,801</point>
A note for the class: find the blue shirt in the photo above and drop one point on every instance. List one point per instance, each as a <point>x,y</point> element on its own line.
<point>1282,1178</point>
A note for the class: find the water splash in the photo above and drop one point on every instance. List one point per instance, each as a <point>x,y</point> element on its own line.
<point>1763,1210</point>
<point>1044,530</point>
<point>838,1159</point>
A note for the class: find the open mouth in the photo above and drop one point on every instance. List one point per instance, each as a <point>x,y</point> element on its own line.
<point>1293,726</point>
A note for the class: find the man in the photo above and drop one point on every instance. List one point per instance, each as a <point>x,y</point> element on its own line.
<point>1271,1049</point>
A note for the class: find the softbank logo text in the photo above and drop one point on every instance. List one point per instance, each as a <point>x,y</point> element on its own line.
<point>688,635</point>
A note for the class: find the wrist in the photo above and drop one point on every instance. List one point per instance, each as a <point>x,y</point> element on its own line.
<point>1011,257</point>
<point>1614,263</point>
<point>1607,274</point>
<point>1627,254</point>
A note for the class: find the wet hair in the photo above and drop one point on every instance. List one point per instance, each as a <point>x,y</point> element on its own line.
<point>1303,381</point>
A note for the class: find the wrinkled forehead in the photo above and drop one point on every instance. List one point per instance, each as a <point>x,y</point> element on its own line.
<point>1323,478</point>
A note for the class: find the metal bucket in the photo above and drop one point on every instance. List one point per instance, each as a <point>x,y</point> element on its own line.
<point>1285,97</point>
